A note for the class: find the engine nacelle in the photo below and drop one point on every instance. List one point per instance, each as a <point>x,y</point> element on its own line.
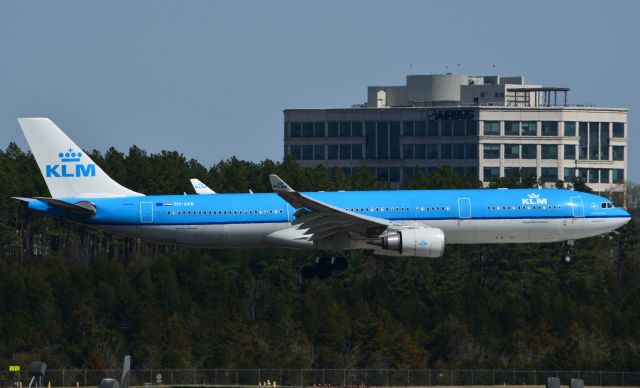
<point>422,242</point>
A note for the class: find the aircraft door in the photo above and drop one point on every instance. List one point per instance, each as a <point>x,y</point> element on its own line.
<point>577,207</point>
<point>464,208</point>
<point>146,212</point>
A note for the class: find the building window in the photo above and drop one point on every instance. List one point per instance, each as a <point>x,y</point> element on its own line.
<point>618,129</point>
<point>594,144</point>
<point>407,151</point>
<point>445,151</point>
<point>529,151</point>
<point>347,171</point>
<point>458,152</point>
<point>421,128</point>
<point>345,129</point>
<point>529,128</point>
<point>318,152</point>
<point>383,173</point>
<point>512,128</point>
<point>549,151</point>
<point>511,172</point>
<point>356,129</point>
<point>307,152</point>
<point>296,129</point>
<point>491,151</point>
<point>332,152</point>
<point>604,141</point>
<point>471,171</point>
<point>549,174</point>
<point>296,151</point>
<point>604,175</point>
<point>458,127</point>
<point>549,128</point>
<point>345,151</point>
<point>618,152</point>
<point>433,127</point>
<point>446,127</point>
<point>394,140</point>
<point>570,128</point>
<point>617,175</point>
<point>307,129</point>
<point>512,151</point>
<point>471,150</point>
<point>318,129</point>
<point>492,128</point>
<point>407,128</point>
<point>458,171</point>
<point>593,176</point>
<point>421,151</point>
<point>394,174</point>
<point>472,127</point>
<point>569,174</point>
<point>370,128</point>
<point>583,133</point>
<point>491,173</point>
<point>383,140</point>
<point>432,151</point>
<point>528,172</point>
<point>334,129</point>
<point>569,151</point>
<point>356,151</point>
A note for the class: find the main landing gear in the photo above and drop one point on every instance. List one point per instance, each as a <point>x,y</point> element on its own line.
<point>324,266</point>
<point>566,253</point>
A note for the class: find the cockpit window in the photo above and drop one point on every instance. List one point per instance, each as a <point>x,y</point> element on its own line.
<point>606,205</point>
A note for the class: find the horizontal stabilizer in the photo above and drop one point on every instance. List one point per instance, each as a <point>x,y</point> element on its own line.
<point>80,209</point>
<point>24,199</point>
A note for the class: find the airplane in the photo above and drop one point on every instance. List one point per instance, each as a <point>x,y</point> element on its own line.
<point>200,187</point>
<point>417,223</point>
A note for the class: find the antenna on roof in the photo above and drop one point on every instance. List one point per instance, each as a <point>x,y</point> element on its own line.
<point>458,68</point>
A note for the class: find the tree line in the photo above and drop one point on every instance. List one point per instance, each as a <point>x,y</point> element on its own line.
<point>78,297</point>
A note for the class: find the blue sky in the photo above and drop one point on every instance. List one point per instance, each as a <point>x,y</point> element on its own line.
<point>211,79</point>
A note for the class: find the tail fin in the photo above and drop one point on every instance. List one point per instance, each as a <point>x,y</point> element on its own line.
<point>200,187</point>
<point>67,170</point>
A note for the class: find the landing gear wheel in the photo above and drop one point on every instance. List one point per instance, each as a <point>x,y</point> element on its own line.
<point>339,263</point>
<point>308,272</point>
<point>323,272</point>
<point>566,256</point>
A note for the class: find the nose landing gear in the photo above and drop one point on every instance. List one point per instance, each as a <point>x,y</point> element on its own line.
<point>324,266</point>
<point>566,254</point>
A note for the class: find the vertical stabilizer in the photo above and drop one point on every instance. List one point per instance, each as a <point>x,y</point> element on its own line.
<point>126,371</point>
<point>67,170</point>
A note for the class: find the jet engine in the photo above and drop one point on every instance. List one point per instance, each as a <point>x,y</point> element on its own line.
<point>419,242</point>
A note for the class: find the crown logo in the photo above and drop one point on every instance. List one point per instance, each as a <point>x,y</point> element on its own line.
<point>533,196</point>
<point>70,156</point>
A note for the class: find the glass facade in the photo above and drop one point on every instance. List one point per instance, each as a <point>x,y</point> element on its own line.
<point>400,140</point>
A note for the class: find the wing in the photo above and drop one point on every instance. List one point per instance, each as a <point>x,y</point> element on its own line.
<point>322,220</point>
